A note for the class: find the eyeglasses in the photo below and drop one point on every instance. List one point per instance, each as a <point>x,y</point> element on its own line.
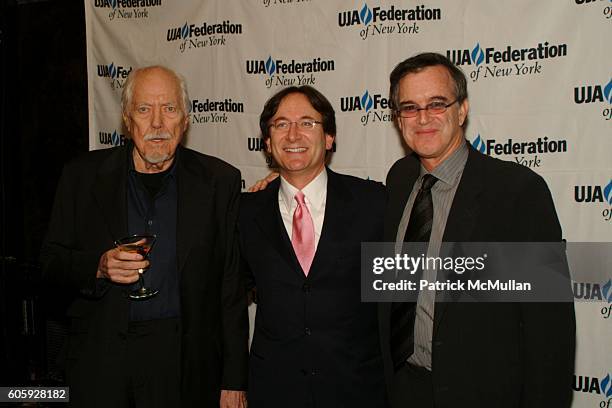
<point>283,126</point>
<point>432,108</point>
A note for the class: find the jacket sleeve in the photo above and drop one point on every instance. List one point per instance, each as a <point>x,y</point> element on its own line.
<point>548,329</point>
<point>234,301</point>
<point>64,262</point>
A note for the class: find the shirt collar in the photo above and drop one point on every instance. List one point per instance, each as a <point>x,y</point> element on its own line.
<point>450,170</point>
<point>314,192</point>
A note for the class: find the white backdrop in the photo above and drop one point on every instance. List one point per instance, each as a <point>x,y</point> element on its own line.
<point>540,89</point>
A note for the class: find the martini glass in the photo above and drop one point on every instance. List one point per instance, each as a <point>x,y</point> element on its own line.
<point>142,245</point>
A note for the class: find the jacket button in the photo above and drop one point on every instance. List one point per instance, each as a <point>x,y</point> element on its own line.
<point>306,288</point>
<point>307,331</point>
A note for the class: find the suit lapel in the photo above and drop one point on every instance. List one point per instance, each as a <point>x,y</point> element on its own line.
<point>271,224</point>
<point>110,191</point>
<point>338,215</point>
<point>464,213</point>
<point>196,189</point>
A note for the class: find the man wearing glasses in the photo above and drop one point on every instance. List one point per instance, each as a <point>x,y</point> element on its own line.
<point>466,354</point>
<point>315,344</point>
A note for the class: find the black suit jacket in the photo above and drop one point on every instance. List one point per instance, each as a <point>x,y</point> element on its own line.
<point>90,212</point>
<point>315,343</point>
<point>494,354</point>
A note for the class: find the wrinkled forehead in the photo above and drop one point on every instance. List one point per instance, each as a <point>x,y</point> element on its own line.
<point>156,83</point>
<point>429,82</point>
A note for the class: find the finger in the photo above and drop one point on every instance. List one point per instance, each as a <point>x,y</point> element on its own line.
<point>123,276</point>
<point>270,177</point>
<point>125,280</point>
<point>255,187</point>
<point>129,265</point>
<point>126,256</point>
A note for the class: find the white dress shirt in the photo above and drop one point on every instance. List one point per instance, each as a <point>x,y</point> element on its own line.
<point>315,194</point>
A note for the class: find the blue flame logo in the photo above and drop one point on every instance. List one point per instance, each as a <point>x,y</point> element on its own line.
<point>478,144</point>
<point>477,55</point>
<point>270,66</point>
<point>606,387</point>
<point>606,292</point>
<point>115,138</point>
<point>184,31</point>
<point>113,4</point>
<point>608,192</point>
<point>365,14</point>
<point>608,90</point>
<point>366,101</point>
<point>112,70</point>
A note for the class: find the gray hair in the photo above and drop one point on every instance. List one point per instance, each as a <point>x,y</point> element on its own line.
<point>420,62</point>
<point>128,87</point>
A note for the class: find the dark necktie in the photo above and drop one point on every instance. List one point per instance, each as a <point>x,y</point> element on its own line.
<point>403,313</point>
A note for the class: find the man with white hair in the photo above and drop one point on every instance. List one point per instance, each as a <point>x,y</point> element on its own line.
<point>187,345</point>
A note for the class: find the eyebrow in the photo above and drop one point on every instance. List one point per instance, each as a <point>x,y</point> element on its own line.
<point>151,104</point>
<point>301,118</point>
<point>433,98</point>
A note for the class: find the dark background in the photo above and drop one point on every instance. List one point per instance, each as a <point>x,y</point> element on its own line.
<point>43,124</point>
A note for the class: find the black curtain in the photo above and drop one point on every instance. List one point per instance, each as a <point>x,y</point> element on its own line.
<point>43,124</point>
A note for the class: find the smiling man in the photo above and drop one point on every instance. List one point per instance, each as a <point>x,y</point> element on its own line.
<point>315,344</point>
<point>466,354</point>
<point>187,345</point>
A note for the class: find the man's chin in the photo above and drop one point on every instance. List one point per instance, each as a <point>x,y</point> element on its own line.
<point>156,159</point>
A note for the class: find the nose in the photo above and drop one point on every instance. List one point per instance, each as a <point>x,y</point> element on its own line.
<point>292,133</point>
<point>156,119</point>
<point>423,116</point>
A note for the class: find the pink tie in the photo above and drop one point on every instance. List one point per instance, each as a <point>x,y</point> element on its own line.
<point>303,238</point>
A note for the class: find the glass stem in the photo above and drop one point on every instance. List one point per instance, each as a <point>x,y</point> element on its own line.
<point>141,280</point>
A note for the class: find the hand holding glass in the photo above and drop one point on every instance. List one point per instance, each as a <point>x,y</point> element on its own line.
<point>141,244</point>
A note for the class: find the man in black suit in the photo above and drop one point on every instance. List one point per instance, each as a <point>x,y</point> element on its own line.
<point>466,354</point>
<point>315,343</point>
<point>186,346</point>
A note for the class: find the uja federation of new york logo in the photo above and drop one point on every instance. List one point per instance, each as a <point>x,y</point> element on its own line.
<point>115,74</point>
<point>380,22</point>
<point>372,107</point>
<point>595,95</point>
<point>204,34</point>
<point>127,9</point>
<point>487,63</point>
<point>289,72</point>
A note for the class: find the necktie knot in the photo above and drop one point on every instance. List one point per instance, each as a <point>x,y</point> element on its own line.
<point>300,198</point>
<point>428,181</point>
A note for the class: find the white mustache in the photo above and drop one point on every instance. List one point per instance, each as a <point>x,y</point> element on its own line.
<point>162,136</point>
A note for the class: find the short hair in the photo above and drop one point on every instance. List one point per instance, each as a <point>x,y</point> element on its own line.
<point>420,62</point>
<point>128,87</point>
<point>318,101</point>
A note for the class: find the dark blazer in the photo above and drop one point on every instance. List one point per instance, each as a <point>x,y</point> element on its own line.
<point>315,343</point>
<point>495,354</point>
<point>90,212</point>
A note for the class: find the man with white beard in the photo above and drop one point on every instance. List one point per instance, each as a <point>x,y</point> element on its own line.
<point>187,344</point>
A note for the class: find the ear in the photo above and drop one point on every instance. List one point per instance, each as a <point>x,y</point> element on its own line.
<point>329,142</point>
<point>267,141</point>
<point>126,121</point>
<point>464,108</point>
<point>186,123</point>
<point>398,121</point>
